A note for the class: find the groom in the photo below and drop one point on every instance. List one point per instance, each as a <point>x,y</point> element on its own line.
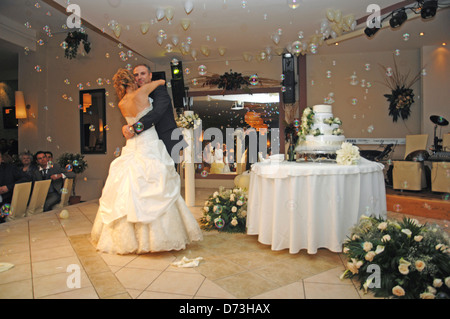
<point>161,116</point>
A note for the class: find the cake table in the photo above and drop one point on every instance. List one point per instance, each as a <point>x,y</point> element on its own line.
<point>312,205</point>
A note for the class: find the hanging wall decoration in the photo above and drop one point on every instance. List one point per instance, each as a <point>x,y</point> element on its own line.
<point>73,40</point>
<point>402,96</point>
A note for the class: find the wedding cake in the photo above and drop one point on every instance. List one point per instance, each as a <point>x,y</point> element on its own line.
<point>319,130</point>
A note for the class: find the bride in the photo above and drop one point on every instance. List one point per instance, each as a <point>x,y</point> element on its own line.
<point>141,209</point>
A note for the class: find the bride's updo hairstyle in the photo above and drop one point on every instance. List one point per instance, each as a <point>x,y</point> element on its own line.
<point>123,79</point>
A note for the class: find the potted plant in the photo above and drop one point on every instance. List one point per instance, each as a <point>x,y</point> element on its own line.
<point>73,163</point>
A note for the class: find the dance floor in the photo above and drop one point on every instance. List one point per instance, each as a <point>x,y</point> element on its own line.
<point>44,247</point>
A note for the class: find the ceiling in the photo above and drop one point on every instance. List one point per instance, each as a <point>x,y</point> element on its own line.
<point>236,25</point>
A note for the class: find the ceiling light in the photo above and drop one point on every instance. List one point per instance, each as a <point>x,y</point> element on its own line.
<point>398,18</point>
<point>429,9</point>
<point>421,33</point>
<point>370,32</point>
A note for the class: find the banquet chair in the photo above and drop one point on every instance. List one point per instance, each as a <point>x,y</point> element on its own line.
<point>66,190</point>
<point>446,142</point>
<point>21,194</point>
<point>38,197</point>
<point>440,171</point>
<point>410,175</point>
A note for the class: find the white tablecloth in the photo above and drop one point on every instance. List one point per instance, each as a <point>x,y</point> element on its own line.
<point>312,205</point>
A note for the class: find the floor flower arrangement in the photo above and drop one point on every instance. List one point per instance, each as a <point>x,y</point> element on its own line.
<point>226,210</point>
<point>399,259</point>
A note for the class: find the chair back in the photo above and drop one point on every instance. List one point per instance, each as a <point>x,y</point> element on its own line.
<point>19,202</point>
<point>446,142</point>
<point>415,142</point>
<point>37,200</point>
<point>66,190</point>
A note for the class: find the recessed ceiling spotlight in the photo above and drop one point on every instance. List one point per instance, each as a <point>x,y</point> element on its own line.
<point>421,33</point>
<point>444,44</point>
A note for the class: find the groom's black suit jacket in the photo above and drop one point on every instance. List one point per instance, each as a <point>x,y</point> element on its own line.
<point>163,119</point>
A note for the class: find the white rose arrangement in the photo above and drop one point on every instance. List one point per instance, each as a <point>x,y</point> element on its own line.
<point>348,154</point>
<point>413,259</point>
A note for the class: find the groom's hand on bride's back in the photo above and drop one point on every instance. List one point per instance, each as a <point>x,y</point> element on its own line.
<point>128,131</point>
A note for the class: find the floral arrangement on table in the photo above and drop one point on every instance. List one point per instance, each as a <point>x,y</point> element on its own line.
<point>413,259</point>
<point>348,154</point>
<point>225,210</point>
<point>306,122</point>
<point>402,96</point>
<point>73,40</point>
<point>73,163</point>
<point>187,121</point>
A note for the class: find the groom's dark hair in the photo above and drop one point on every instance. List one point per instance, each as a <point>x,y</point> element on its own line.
<point>143,64</point>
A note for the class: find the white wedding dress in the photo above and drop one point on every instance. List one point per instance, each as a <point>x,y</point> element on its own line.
<point>141,209</point>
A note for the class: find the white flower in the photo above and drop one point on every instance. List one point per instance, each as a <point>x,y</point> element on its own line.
<point>426,295</point>
<point>215,194</point>
<point>379,249</point>
<point>398,291</point>
<point>348,154</point>
<point>407,232</point>
<point>403,269</point>
<point>346,250</point>
<point>206,209</point>
<point>232,197</point>
<point>437,283</point>
<point>239,203</point>
<point>367,246</point>
<point>382,226</point>
<point>418,238</point>
<point>234,221</point>
<point>431,290</point>
<point>234,209</point>
<point>386,238</point>
<point>420,265</point>
<point>355,237</point>
<point>370,255</point>
<point>447,282</point>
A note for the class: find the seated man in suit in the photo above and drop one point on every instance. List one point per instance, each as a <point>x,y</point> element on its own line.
<point>56,174</point>
<point>9,176</point>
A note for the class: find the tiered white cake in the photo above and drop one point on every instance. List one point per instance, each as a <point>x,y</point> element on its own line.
<point>320,131</point>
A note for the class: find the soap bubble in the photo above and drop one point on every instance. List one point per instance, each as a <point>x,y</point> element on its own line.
<point>389,71</point>
<point>370,129</point>
<point>204,173</point>
<point>219,222</point>
<point>397,208</point>
<point>5,210</point>
<point>202,70</point>
<point>254,79</point>
<point>139,127</point>
<point>218,209</point>
<point>405,36</point>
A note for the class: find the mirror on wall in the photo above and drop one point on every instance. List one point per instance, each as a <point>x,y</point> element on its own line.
<point>93,121</point>
<point>256,114</point>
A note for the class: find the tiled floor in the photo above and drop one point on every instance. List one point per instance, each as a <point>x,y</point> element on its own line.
<point>53,258</point>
